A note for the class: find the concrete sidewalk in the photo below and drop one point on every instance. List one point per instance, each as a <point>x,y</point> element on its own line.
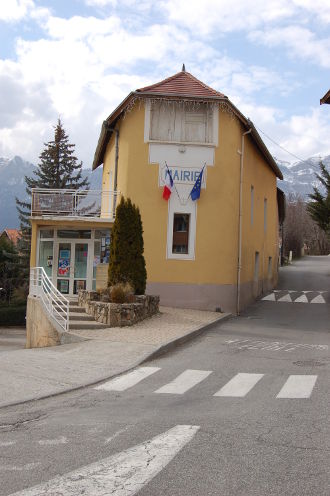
<point>37,373</point>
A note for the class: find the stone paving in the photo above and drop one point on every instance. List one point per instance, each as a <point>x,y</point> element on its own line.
<point>169,324</point>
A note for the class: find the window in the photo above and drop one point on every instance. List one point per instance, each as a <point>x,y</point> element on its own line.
<point>265,214</point>
<point>182,123</point>
<point>270,267</point>
<point>252,204</point>
<point>69,233</point>
<point>46,233</point>
<point>180,242</point>
<point>256,266</point>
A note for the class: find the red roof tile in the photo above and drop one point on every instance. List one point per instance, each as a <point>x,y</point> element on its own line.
<point>183,84</point>
<point>13,235</point>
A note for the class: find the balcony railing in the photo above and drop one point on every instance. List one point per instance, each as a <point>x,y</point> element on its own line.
<point>74,203</point>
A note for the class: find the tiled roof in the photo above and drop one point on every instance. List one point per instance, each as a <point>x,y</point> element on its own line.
<point>13,235</point>
<point>182,84</point>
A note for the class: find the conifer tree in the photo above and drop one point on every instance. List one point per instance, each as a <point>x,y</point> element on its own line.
<point>319,207</point>
<point>58,169</point>
<point>127,262</point>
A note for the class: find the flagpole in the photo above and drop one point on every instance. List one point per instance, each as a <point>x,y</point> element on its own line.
<point>195,181</point>
<point>172,181</point>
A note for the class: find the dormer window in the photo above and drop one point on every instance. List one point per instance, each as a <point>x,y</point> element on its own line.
<point>181,122</point>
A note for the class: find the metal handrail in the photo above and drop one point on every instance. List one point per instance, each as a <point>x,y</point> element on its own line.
<point>55,302</point>
<point>73,203</point>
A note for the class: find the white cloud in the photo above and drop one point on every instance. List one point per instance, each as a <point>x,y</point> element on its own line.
<point>84,66</point>
<point>224,16</point>
<point>300,41</point>
<point>16,10</point>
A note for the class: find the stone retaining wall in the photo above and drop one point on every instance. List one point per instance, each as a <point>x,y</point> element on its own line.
<point>118,314</point>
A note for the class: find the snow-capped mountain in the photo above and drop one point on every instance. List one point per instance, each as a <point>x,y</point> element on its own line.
<point>299,178</point>
<point>12,185</point>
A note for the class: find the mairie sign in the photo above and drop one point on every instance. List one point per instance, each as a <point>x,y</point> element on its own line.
<point>182,175</point>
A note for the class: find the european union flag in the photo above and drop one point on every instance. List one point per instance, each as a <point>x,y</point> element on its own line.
<point>196,191</point>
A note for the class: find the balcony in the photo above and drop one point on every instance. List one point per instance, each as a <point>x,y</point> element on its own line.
<point>74,203</point>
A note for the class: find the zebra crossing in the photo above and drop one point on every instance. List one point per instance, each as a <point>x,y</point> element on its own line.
<point>293,296</point>
<point>295,386</point>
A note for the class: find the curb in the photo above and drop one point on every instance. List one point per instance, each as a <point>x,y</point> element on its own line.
<point>161,350</point>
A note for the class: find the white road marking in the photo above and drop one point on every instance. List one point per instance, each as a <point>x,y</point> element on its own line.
<point>123,474</point>
<point>53,442</point>
<point>185,381</point>
<point>128,380</point>
<point>285,298</point>
<point>318,299</point>
<point>270,297</point>
<point>240,385</point>
<point>298,386</point>
<point>301,299</point>
<point>7,443</point>
<point>251,344</point>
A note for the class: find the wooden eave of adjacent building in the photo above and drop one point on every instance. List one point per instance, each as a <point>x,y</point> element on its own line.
<point>280,205</point>
<point>149,92</point>
<point>325,98</point>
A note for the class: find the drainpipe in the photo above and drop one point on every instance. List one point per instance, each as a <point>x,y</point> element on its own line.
<point>115,180</point>
<point>116,171</point>
<point>240,218</point>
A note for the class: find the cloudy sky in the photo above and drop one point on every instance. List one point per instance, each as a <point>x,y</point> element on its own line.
<point>78,59</point>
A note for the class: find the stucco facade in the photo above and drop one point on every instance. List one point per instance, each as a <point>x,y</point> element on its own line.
<point>208,279</point>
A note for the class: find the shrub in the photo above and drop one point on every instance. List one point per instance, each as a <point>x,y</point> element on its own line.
<point>121,292</point>
<point>12,315</point>
<point>127,262</point>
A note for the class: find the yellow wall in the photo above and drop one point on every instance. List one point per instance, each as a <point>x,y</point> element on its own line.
<point>216,248</point>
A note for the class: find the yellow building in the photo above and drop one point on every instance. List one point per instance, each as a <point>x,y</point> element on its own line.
<point>216,252</point>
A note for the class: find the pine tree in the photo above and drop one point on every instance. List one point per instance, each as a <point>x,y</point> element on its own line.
<point>127,262</point>
<point>319,207</point>
<point>58,169</point>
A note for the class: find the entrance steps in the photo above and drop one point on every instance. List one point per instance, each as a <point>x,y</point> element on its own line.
<point>80,320</point>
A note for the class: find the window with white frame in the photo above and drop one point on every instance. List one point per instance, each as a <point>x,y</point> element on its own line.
<point>252,204</point>
<point>181,230</point>
<point>182,122</point>
<point>180,241</point>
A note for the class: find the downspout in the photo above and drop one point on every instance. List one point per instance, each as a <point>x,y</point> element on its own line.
<point>240,219</point>
<point>115,181</point>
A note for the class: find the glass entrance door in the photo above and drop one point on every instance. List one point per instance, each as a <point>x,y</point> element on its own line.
<point>73,266</point>
<point>64,268</point>
<point>80,266</point>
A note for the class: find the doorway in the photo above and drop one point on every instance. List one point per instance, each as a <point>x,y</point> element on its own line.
<point>72,265</point>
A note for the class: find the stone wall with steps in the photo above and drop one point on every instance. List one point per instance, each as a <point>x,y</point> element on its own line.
<point>118,314</point>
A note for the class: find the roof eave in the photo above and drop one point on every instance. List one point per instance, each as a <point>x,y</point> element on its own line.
<point>109,124</point>
<point>261,145</point>
<point>157,94</point>
<point>325,98</point>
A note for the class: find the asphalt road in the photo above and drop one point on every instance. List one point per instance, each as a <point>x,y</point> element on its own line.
<point>241,411</point>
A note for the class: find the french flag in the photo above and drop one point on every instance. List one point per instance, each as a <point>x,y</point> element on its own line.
<point>167,191</point>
